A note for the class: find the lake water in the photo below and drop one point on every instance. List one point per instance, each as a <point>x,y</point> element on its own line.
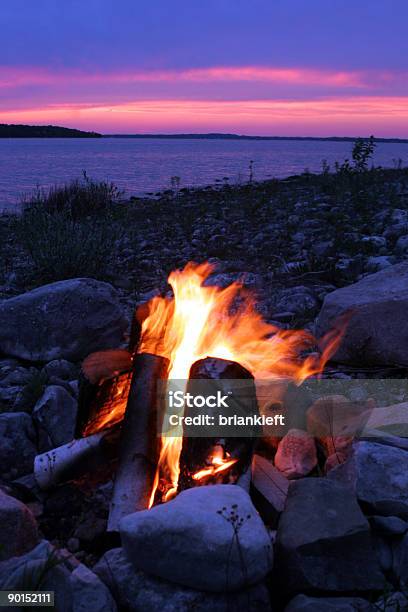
<point>146,165</point>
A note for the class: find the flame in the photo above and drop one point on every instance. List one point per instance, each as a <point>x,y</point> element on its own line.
<point>201,321</point>
<point>218,463</point>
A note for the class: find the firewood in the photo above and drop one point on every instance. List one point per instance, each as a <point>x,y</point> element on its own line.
<point>197,451</point>
<point>140,442</point>
<point>103,373</point>
<point>75,458</point>
<point>269,489</point>
<point>104,365</point>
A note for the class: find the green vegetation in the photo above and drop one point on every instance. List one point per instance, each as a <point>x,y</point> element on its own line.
<point>67,231</point>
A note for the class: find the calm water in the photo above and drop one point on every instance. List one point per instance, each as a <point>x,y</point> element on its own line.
<point>141,166</point>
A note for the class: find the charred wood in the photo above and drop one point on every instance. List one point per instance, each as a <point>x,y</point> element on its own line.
<point>140,442</point>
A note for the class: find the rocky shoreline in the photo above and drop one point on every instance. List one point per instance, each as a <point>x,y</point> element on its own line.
<point>311,248</point>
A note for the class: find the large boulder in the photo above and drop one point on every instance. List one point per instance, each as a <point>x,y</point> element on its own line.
<point>378,474</point>
<point>209,538</point>
<point>323,542</point>
<point>64,320</point>
<point>17,444</point>
<point>137,591</point>
<point>377,332</point>
<point>18,529</point>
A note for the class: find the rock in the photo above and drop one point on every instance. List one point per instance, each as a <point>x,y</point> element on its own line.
<point>337,458</point>
<point>17,447</point>
<point>12,382</point>
<point>296,454</point>
<point>76,588</point>
<point>394,602</point>
<point>323,542</point>
<point>379,476</point>
<point>377,333</point>
<point>302,603</point>
<point>383,551</point>
<point>18,531</point>
<point>334,421</point>
<point>61,368</point>
<point>296,299</point>
<point>402,244</point>
<point>89,593</point>
<point>193,540</point>
<point>389,525</point>
<point>400,562</point>
<point>64,320</point>
<point>391,419</point>
<point>56,412</point>
<point>378,262</point>
<point>322,249</point>
<point>137,592</point>
<point>375,242</point>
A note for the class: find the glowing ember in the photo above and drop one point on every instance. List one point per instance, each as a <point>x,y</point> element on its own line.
<point>204,321</point>
<point>214,469</point>
<point>218,463</point>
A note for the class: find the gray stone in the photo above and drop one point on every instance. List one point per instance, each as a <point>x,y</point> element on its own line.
<point>400,562</point>
<point>296,299</point>
<point>137,591</point>
<point>323,542</point>
<point>390,525</point>
<point>378,262</point>
<point>394,602</point>
<point>198,540</point>
<point>89,593</point>
<point>64,320</point>
<point>374,241</point>
<point>377,332</point>
<point>18,529</point>
<point>402,244</point>
<point>17,447</point>
<point>56,412</point>
<point>12,382</point>
<point>61,368</point>
<point>378,474</point>
<point>76,588</point>
<point>296,455</point>
<point>302,603</point>
<point>383,549</point>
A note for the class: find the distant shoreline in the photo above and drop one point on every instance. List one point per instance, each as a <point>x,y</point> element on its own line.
<point>53,131</point>
<point>244,137</point>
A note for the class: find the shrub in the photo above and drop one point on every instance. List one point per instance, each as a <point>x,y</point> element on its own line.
<point>79,198</point>
<point>69,231</point>
<point>62,247</point>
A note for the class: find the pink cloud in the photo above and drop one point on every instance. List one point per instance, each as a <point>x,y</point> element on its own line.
<point>383,116</point>
<point>291,76</point>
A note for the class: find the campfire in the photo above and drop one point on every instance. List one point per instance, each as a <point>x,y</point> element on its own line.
<point>199,332</point>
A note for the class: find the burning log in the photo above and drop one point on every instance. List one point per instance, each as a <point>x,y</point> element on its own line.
<point>218,459</point>
<point>140,443</point>
<point>105,382</point>
<point>75,458</point>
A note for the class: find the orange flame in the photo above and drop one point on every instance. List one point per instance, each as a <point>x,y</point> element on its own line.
<point>202,321</point>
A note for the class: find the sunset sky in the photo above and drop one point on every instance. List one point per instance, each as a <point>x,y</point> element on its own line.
<point>269,67</point>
